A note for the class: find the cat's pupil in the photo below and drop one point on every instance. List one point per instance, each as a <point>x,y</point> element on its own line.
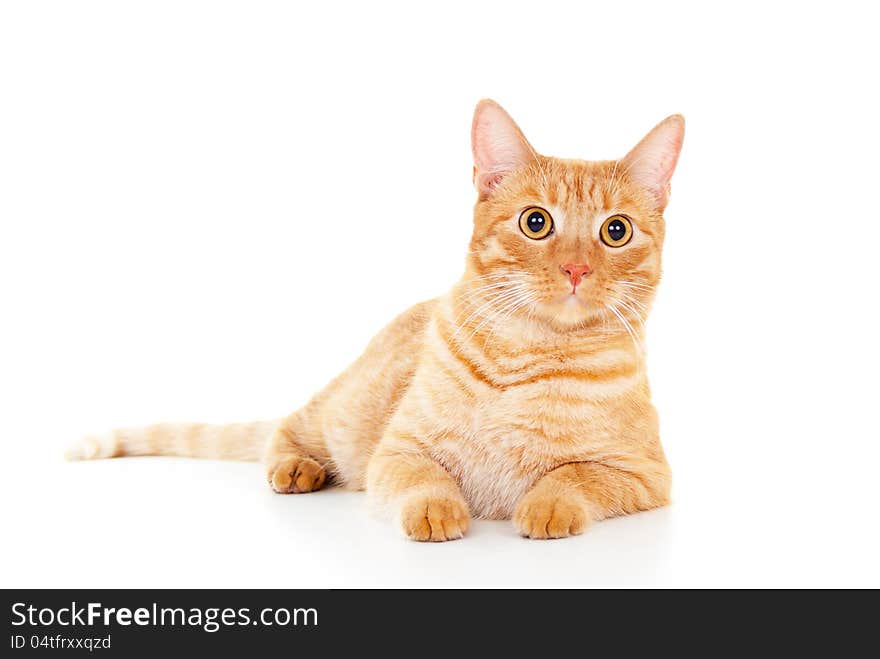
<point>616,230</point>
<point>536,222</point>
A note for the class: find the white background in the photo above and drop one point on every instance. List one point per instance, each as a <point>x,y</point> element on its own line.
<point>209,208</point>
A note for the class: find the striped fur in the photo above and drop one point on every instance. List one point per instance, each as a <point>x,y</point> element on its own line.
<point>509,397</point>
<point>236,441</point>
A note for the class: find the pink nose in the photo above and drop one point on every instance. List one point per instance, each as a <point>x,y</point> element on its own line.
<point>576,273</point>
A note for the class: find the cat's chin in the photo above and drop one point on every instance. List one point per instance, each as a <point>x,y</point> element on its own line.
<point>570,312</point>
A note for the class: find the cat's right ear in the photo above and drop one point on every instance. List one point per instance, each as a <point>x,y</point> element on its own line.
<point>499,146</point>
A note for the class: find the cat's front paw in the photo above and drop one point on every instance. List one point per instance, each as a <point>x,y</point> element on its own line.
<point>545,515</point>
<point>433,518</point>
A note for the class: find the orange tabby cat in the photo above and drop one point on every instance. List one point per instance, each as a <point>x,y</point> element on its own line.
<point>522,392</point>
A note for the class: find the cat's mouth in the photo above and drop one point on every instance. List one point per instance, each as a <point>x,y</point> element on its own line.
<point>571,300</point>
<point>570,309</point>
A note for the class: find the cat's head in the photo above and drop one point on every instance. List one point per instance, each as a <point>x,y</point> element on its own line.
<point>571,243</point>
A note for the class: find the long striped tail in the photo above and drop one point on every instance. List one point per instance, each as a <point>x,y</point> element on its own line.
<point>235,441</point>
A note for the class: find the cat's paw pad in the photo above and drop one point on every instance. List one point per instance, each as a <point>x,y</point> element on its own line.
<point>545,516</point>
<point>428,518</point>
<point>295,475</point>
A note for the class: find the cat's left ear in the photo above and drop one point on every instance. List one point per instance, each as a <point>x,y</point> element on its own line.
<point>651,163</point>
<point>499,146</point>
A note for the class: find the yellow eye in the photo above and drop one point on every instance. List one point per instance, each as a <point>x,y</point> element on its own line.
<point>536,223</point>
<point>616,231</point>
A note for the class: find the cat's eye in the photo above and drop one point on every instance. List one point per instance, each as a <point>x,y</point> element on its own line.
<point>536,223</point>
<point>616,231</point>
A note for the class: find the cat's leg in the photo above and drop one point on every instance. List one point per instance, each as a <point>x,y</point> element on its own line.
<point>423,495</point>
<point>289,460</point>
<point>567,499</point>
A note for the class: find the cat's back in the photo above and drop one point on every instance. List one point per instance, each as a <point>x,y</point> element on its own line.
<point>404,332</point>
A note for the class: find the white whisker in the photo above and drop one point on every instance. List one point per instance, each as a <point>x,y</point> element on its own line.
<point>487,305</point>
<point>632,300</point>
<point>626,326</point>
<point>630,282</point>
<point>510,299</point>
<point>633,311</point>
<point>526,298</point>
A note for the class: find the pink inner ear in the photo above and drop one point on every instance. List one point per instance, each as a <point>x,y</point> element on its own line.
<point>498,144</point>
<point>489,181</point>
<point>651,163</point>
